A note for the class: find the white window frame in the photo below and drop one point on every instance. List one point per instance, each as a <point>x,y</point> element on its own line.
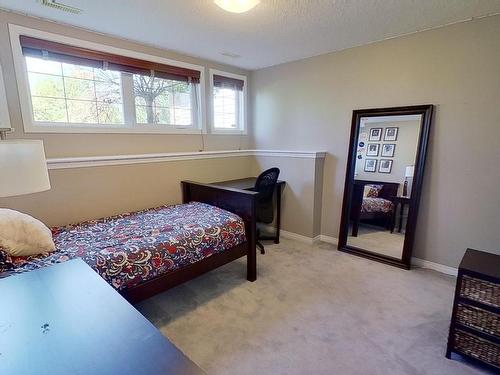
<point>4,108</point>
<point>30,126</point>
<point>242,121</point>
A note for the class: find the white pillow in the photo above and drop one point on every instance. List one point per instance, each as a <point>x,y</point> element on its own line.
<point>371,191</point>
<point>23,235</point>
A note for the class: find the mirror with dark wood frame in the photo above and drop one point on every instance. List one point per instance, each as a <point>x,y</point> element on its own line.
<point>384,175</point>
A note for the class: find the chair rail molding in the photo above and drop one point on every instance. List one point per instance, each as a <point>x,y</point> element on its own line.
<point>110,160</point>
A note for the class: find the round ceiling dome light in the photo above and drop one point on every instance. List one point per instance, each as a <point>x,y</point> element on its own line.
<point>237,6</point>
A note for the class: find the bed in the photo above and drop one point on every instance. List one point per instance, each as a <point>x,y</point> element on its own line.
<point>143,253</point>
<point>376,205</point>
<point>377,208</point>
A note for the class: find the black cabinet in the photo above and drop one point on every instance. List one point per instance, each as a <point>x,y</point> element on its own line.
<point>475,322</point>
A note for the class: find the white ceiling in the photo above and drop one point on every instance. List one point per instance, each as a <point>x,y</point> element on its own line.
<point>274,32</point>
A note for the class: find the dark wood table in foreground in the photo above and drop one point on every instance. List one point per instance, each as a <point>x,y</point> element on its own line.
<point>248,183</point>
<point>65,319</point>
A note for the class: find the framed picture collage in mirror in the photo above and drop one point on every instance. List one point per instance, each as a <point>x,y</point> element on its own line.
<point>384,150</point>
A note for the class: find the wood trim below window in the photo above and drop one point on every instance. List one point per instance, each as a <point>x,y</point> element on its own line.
<point>41,48</point>
<point>220,81</point>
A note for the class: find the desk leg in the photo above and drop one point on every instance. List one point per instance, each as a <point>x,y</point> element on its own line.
<point>252,251</point>
<point>401,211</point>
<point>278,215</point>
<point>393,218</point>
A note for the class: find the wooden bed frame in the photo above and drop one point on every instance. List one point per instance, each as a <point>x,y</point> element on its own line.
<point>239,202</point>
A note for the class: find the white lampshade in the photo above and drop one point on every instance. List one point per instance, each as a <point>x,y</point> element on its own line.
<point>23,168</point>
<point>410,170</point>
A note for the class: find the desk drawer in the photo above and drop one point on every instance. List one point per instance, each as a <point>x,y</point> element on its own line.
<point>480,291</point>
<point>478,348</point>
<point>478,319</point>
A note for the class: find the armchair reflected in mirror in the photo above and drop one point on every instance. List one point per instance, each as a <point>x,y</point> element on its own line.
<point>383,182</point>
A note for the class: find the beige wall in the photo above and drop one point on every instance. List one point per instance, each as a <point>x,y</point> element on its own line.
<point>300,195</point>
<point>59,145</point>
<point>308,105</point>
<point>86,193</point>
<point>89,193</point>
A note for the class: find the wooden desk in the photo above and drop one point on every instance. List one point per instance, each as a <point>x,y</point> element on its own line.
<point>249,184</point>
<point>65,319</point>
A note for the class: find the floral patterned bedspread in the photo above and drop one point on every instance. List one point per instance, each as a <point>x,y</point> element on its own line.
<point>131,248</point>
<point>376,205</point>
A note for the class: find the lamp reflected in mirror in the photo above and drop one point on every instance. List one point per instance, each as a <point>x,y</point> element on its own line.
<point>408,176</point>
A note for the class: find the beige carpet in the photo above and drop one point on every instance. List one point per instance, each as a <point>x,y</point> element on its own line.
<point>378,240</point>
<point>312,310</point>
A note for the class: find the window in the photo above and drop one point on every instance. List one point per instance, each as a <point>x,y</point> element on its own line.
<point>162,101</point>
<point>70,93</point>
<point>72,87</point>
<point>228,99</point>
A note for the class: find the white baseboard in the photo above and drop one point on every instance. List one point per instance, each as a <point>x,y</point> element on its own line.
<point>417,262</point>
<point>328,239</point>
<point>294,236</point>
<point>422,263</point>
<point>299,237</point>
<point>304,239</point>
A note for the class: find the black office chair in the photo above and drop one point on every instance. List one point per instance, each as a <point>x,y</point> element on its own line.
<point>265,186</point>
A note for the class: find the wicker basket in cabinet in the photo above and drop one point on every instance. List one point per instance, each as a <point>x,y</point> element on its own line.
<point>475,321</point>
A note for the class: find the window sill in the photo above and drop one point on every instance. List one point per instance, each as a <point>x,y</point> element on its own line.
<point>228,132</point>
<point>107,129</point>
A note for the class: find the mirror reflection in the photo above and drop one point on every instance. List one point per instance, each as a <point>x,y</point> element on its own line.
<point>383,176</point>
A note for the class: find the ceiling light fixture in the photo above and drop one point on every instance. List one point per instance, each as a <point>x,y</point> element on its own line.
<point>237,6</point>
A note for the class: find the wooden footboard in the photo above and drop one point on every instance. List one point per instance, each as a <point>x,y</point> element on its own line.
<point>239,202</point>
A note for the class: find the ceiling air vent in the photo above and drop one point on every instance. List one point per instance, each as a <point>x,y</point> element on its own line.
<point>57,5</point>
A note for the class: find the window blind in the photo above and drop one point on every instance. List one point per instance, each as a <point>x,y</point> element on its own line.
<point>45,49</point>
